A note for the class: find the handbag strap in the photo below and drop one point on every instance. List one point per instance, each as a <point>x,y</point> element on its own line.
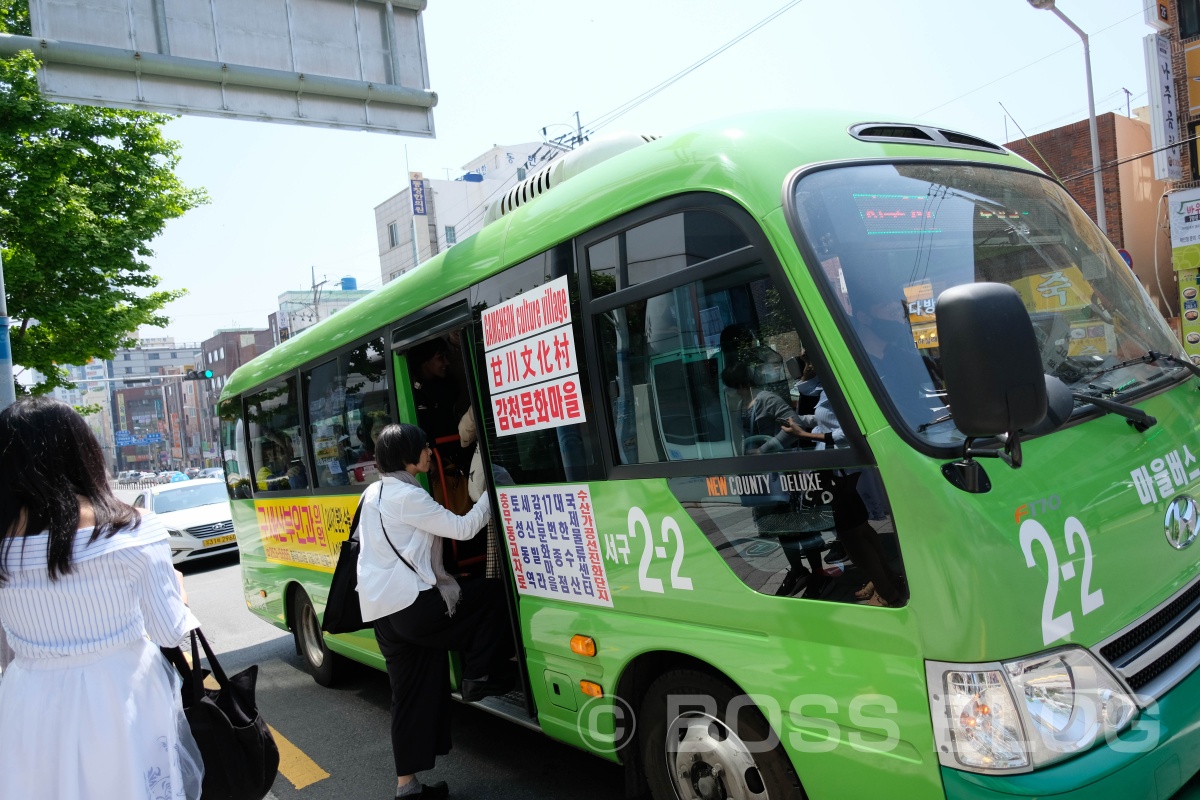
<point>193,678</point>
<point>357,514</point>
<point>378,507</point>
<point>215,666</point>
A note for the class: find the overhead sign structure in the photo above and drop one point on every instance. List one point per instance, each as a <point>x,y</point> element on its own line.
<point>354,64</point>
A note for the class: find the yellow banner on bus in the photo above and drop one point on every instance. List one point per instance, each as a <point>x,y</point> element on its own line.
<point>305,531</point>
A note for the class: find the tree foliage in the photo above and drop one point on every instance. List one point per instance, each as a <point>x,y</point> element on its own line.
<point>83,191</point>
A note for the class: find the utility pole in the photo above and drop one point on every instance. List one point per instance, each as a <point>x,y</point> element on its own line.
<point>1128,97</point>
<point>578,131</point>
<point>8,391</point>
<point>316,290</point>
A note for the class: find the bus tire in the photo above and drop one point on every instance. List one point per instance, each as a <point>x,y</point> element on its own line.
<point>310,642</point>
<point>689,751</point>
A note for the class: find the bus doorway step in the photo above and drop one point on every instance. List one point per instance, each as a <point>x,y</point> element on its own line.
<point>511,706</point>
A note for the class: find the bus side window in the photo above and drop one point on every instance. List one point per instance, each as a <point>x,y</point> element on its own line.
<point>347,407</point>
<point>699,371</point>
<point>233,449</point>
<point>276,446</point>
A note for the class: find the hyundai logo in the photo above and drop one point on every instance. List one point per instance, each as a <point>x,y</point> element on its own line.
<point>1182,522</point>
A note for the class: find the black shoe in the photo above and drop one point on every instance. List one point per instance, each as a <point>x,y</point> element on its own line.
<point>473,691</point>
<point>836,554</point>
<point>792,583</point>
<point>438,791</point>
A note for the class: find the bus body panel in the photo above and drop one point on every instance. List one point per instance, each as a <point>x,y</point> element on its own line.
<point>1068,549</point>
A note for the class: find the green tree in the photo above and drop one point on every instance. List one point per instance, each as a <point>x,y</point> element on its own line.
<point>83,191</point>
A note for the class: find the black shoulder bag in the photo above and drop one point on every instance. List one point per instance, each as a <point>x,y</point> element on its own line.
<point>343,611</point>
<point>240,757</point>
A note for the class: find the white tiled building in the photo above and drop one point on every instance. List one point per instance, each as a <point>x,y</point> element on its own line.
<point>444,212</point>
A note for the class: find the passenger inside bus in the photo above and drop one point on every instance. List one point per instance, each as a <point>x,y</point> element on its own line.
<point>440,397</point>
<point>755,373</point>
<point>280,468</point>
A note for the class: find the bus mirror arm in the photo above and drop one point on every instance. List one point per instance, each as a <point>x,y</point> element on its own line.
<point>968,474</point>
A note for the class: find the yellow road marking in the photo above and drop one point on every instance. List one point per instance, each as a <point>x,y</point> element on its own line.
<point>298,768</point>
<point>295,765</point>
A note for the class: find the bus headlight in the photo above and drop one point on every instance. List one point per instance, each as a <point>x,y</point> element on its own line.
<point>1018,715</point>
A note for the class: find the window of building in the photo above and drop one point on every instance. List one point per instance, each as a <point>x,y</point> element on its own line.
<point>1189,18</point>
<point>276,443</point>
<point>347,408</point>
<point>174,355</point>
<point>129,370</point>
<point>221,353</point>
<point>520,174</point>
<point>451,235</point>
<point>154,356</point>
<point>126,357</point>
<point>393,234</point>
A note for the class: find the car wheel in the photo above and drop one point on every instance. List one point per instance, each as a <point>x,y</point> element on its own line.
<point>310,642</point>
<point>693,747</point>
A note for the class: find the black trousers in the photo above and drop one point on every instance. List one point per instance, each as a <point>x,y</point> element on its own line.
<point>415,643</point>
<point>859,538</point>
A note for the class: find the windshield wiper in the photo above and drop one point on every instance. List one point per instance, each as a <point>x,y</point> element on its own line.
<point>1153,356</point>
<point>1140,420</point>
<point>1150,357</point>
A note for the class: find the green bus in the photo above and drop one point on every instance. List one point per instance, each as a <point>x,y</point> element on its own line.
<point>827,457</point>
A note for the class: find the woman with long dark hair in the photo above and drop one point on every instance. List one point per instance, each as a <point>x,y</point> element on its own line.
<point>420,612</point>
<point>89,707</point>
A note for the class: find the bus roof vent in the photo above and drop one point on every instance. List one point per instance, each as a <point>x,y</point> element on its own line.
<point>561,167</point>
<point>918,134</point>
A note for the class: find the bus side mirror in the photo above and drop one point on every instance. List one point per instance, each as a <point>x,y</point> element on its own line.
<point>992,369</point>
<point>990,360</point>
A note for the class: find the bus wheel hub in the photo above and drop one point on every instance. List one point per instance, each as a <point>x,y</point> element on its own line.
<point>711,762</point>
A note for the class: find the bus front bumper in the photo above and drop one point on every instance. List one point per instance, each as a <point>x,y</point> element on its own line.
<point>1156,759</point>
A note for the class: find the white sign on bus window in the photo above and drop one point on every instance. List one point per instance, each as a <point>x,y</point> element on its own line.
<point>532,363</point>
<point>552,543</point>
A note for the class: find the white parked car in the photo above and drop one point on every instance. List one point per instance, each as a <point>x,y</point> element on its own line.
<point>196,514</point>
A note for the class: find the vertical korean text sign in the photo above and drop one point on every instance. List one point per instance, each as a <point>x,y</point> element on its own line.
<point>532,364</point>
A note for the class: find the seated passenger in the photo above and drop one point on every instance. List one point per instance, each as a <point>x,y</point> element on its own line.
<point>280,469</point>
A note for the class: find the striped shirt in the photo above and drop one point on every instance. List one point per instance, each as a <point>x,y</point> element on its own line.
<point>120,588</point>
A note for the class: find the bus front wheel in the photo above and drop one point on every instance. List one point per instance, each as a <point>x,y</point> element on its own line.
<point>310,643</point>
<point>700,738</point>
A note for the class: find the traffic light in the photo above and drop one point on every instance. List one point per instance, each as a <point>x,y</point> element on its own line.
<point>198,375</point>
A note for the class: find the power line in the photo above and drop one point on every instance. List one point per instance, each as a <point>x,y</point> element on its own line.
<point>1022,69</point>
<point>629,105</point>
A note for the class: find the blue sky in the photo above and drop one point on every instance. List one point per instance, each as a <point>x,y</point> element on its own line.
<point>287,199</point>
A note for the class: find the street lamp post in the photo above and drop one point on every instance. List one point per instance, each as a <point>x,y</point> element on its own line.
<point>1048,5</point>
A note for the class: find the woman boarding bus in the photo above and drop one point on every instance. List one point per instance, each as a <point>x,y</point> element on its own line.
<point>999,377</point>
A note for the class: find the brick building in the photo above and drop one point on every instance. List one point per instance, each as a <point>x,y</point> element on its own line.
<point>1133,205</point>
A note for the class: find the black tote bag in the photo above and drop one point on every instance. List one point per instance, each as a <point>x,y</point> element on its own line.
<point>343,613</point>
<point>240,757</point>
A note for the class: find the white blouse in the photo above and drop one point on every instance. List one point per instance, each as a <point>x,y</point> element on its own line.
<point>412,518</point>
<point>120,588</point>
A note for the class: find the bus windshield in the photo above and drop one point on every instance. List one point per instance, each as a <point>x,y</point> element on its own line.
<point>890,238</point>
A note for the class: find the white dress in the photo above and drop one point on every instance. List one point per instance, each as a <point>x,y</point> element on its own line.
<point>89,708</point>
